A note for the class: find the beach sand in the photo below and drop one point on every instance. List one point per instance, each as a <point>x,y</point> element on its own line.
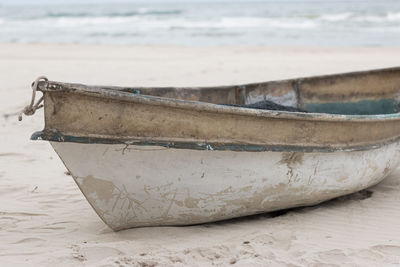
<point>45,220</point>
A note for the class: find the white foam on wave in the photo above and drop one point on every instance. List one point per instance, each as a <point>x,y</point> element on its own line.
<point>353,17</point>
<point>336,17</point>
<point>393,16</point>
<point>251,22</point>
<point>159,24</point>
<point>389,17</point>
<point>292,24</point>
<point>227,22</point>
<point>179,22</point>
<point>85,21</point>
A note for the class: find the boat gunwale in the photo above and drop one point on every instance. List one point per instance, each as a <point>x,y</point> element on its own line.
<point>56,136</point>
<point>116,93</point>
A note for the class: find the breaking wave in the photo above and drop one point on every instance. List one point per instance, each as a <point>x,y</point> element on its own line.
<point>207,23</point>
<point>348,16</point>
<point>132,13</point>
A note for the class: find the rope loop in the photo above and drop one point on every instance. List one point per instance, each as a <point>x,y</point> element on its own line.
<point>32,107</point>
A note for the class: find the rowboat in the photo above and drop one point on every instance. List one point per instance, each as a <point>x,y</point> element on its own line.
<point>181,156</point>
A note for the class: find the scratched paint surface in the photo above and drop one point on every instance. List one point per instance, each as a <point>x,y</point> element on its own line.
<point>131,186</point>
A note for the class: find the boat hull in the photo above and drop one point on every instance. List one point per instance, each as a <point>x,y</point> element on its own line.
<point>178,156</point>
<point>150,185</point>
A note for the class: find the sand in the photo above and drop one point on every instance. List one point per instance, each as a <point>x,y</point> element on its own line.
<point>45,220</point>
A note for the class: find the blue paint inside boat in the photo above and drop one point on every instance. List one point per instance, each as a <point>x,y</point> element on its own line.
<point>363,107</point>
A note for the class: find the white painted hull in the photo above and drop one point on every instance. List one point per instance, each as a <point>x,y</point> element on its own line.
<point>130,186</point>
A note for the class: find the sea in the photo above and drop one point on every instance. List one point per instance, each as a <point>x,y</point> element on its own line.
<point>204,23</point>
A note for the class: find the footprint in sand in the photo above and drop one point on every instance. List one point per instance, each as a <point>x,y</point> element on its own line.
<point>96,253</point>
<point>388,249</point>
<point>333,256</point>
<point>283,238</point>
<point>368,254</point>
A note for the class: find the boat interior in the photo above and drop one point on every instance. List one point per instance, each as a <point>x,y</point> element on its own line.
<point>356,93</point>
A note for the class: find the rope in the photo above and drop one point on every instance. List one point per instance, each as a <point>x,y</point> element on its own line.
<point>32,107</point>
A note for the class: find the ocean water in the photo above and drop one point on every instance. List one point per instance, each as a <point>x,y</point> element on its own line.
<point>200,23</point>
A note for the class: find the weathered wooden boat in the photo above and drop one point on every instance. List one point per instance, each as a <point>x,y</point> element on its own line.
<point>179,156</point>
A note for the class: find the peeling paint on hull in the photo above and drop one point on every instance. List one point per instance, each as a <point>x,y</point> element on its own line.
<point>131,186</point>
